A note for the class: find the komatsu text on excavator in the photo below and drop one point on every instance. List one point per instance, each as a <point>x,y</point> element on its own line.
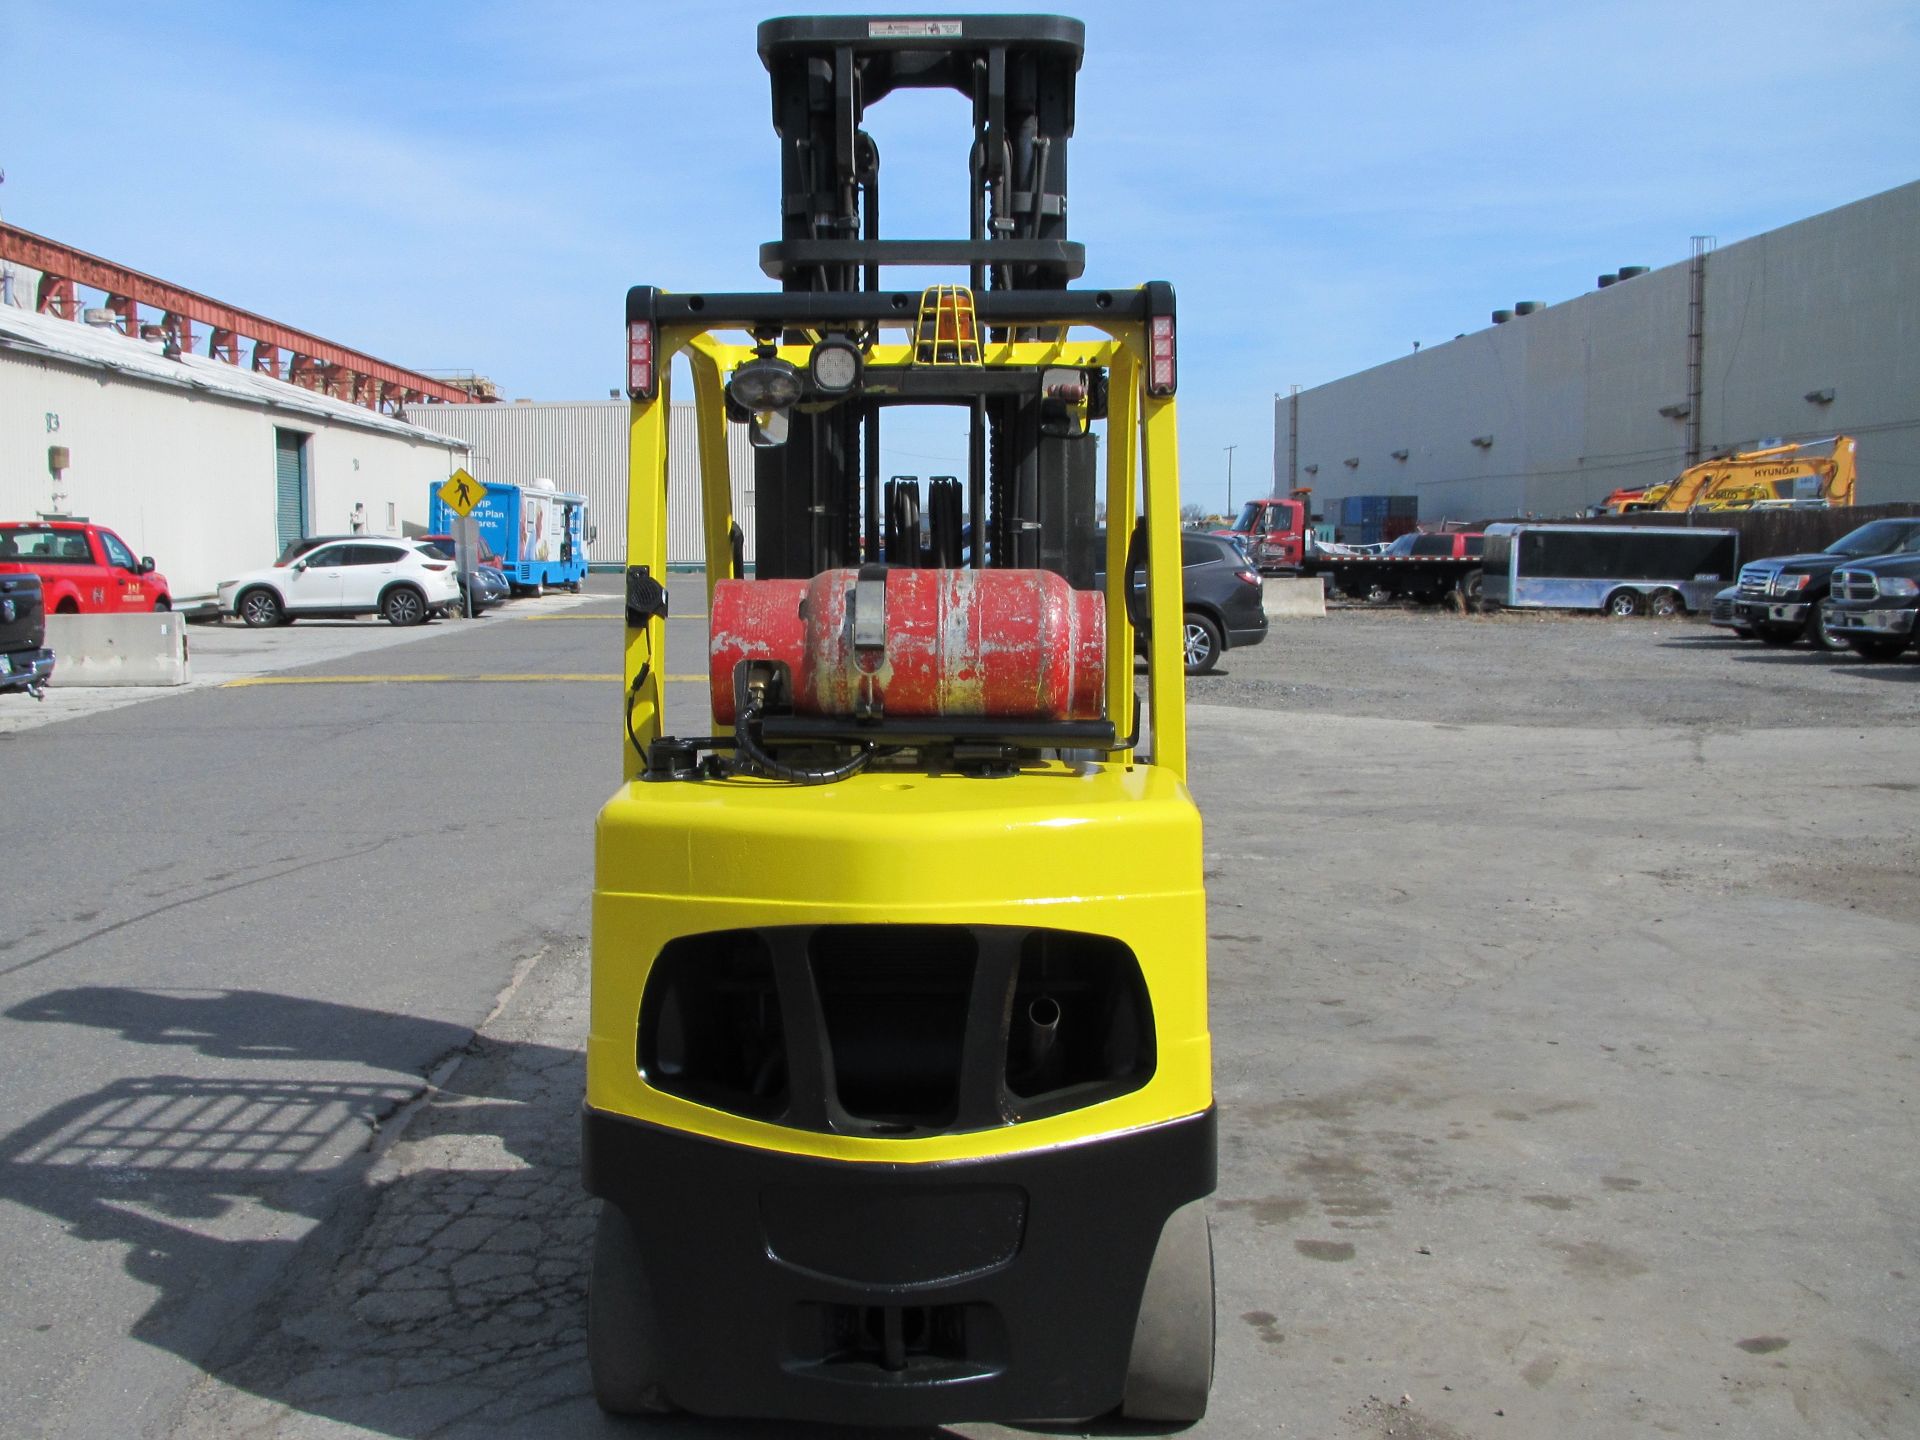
<point>899,1086</point>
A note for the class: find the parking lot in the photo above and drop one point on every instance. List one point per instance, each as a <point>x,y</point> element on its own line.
<point>1565,1027</point>
<point>1563,1006</point>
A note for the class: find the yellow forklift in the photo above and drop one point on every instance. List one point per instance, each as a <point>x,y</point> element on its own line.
<point>899,1085</point>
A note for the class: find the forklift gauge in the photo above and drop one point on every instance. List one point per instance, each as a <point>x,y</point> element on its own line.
<point>764,384</point>
<point>835,366</point>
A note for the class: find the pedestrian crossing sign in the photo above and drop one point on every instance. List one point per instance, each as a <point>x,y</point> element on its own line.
<point>462,493</point>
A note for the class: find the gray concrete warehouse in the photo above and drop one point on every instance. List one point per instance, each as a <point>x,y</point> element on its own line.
<point>1809,330</point>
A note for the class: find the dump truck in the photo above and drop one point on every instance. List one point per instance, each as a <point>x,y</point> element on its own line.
<point>899,1099</point>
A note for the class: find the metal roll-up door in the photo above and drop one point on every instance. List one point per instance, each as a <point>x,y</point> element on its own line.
<point>290,485</point>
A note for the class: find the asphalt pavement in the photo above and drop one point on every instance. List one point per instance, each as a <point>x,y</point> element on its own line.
<point>1564,1070</point>
<point>244,922</point>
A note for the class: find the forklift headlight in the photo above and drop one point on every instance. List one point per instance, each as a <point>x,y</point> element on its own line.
<point>835,366</point>
<point>764,384</point>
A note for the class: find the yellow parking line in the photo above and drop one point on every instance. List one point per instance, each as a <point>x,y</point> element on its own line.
<point>601,679</point>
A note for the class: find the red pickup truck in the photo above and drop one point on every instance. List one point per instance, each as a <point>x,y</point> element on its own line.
<point>84,569</point>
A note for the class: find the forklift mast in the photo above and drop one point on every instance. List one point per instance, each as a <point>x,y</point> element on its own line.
<point>1009,348</point>
<point>820,501</point>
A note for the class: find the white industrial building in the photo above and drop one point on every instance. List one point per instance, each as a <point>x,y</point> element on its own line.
<point>582,447</point>
<point>207,466</point>
<point>1802,332</point>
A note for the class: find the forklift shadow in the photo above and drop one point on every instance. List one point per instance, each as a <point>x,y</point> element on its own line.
<point>439,1291</point>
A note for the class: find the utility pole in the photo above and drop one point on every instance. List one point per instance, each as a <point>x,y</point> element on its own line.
<point>1230,449</point>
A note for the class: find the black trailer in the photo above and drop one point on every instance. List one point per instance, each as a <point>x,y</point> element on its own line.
<point>1621,569</point>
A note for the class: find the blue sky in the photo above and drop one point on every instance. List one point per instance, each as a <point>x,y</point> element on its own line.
<point>475,185</point>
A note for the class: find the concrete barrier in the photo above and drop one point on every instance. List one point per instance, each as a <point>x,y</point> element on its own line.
<point>1289,597</point>
<point>148,649</point>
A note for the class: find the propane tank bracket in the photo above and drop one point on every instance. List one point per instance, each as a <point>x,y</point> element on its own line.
<point>870,608</point>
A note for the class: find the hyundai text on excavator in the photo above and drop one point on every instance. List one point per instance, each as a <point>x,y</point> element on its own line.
<point>899,1086</point>
<point>1771,475</point>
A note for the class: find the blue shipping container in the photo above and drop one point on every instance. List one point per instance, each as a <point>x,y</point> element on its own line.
<point>1364,509</point>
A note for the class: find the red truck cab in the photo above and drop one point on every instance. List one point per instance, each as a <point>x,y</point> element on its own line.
<point>1272,532</point>
<point>84,569</point>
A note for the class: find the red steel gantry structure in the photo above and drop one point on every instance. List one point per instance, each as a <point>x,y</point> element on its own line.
<point>313,363</point>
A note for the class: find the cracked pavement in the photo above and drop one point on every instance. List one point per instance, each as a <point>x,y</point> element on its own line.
<point>450,1301</point>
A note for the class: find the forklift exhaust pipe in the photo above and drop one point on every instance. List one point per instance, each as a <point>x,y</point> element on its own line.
<point>1042,1029</point>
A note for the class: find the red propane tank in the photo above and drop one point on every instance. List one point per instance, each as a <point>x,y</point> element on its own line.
<point>1011,644</point>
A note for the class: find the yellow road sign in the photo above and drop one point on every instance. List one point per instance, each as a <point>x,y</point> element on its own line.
<point>462,493</point>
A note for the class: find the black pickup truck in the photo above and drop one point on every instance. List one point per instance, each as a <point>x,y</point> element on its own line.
<point>24,663</point>
<point>1875,604</point>
<point>1786,597</point>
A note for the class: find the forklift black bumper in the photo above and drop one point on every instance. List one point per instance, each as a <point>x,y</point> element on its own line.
<point>1003,1288</point>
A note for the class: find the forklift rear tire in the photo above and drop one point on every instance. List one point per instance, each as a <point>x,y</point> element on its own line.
<point>1170,1369</point>
<point>622,1348</point>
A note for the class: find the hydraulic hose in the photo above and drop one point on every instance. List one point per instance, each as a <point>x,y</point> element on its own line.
<point>746,734</point>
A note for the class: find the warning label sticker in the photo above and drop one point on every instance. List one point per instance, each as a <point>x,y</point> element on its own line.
<point>913,29</point>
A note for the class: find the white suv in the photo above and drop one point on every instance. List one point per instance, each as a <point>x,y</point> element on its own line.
<point>404,582</point>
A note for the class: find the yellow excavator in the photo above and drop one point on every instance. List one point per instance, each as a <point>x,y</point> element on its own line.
<point>1773,475</point>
